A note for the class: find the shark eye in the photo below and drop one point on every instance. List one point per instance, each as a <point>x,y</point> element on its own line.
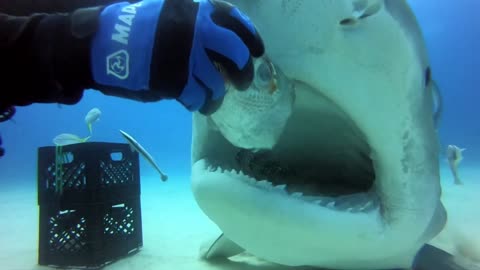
<point>263,75</point>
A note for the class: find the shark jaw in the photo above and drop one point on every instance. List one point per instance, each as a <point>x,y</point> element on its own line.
<point>322,196</point>
<point>337,175</point>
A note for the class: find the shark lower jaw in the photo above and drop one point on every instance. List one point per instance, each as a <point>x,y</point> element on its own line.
<point>264,216</point>
<point>315,190</point>
<point>354,199</point>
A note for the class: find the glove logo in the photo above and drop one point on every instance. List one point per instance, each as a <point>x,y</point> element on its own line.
<point>117,64</point>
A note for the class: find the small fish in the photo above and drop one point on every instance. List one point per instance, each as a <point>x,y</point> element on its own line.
<point>135,146</point>
<point>92,116</point>
<point>454,157</point>
<point>67,138</point>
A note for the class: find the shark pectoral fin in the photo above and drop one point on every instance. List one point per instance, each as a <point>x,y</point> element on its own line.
<point>432,258</point>
<point>220,247</point>
<point>437,223</point>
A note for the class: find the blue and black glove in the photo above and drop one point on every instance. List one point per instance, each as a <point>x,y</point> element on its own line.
<point>147,51</point>
<point>158,49</point>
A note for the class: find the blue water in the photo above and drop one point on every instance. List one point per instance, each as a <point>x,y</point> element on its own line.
<point>452,32</point>
<point>163,128</point>
<point>453,39</point>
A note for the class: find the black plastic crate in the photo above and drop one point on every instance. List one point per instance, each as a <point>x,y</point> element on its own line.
<point>89,235</point>
<point>95,172</point>
<point>95,218</point>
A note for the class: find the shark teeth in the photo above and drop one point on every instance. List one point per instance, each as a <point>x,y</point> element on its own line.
<point>355,203</point>
<point>361,202</point>
<point>265,183</point>
<point>330,205</point>
<point>296,194</point>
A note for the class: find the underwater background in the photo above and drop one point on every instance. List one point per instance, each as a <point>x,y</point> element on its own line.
<point>452,33</point>
<point>453,39</point>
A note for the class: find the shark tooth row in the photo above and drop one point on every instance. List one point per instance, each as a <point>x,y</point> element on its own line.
<point>361,202</point>
<point>350,203</point>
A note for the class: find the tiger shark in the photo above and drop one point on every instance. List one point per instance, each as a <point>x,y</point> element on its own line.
<point>352,179</point>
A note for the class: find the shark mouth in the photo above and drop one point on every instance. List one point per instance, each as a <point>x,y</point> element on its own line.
<point>327,164</point>
<point>338,190</point>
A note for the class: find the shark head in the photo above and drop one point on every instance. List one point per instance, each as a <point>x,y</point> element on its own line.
<point>352,181</point>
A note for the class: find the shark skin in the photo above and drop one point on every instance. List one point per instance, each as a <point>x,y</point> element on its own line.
<point>353,180</point>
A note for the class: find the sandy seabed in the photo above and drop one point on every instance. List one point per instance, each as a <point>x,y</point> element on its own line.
<point>174,227</point>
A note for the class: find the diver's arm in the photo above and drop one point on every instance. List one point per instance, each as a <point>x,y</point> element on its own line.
<point>38,51</point>
<point>43,60</point>
<point>45,57</point>
<point>28,7</point>
<point>146,51</point>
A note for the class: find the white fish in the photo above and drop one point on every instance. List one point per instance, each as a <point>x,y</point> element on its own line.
<point>68,138</point>
<point>258,126</point>
<point>92,116</point>
<point>135,146</point>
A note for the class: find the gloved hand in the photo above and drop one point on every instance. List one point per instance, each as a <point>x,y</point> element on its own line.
<point>158,49</point>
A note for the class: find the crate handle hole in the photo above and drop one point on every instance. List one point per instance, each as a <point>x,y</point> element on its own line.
<point>67,157</point>
<point>116,156</point>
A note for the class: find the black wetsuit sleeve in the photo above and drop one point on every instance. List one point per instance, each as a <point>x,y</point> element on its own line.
<point>29,7</point>
<point>44,50</point>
